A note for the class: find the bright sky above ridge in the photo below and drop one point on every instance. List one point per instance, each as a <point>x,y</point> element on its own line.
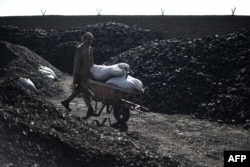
<point>123,7</point>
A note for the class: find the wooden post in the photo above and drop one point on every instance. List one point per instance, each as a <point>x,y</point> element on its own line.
<point>162,11</point>
<point>233,11</point>
<point>43,12</point>
<point>98,11</point>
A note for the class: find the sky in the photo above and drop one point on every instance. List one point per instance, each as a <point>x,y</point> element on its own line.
<point>123,7</point>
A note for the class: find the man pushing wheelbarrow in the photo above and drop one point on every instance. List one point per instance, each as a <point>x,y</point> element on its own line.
<point>109,93</point>
<point>81,72</point>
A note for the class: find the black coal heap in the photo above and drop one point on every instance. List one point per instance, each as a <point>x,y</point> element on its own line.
<point>207,77</point>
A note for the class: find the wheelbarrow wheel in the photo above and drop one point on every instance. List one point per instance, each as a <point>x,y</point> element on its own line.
<point>121,114</point>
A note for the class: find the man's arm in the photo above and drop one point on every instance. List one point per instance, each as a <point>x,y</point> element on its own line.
<point>91,57</point>
<point>76,68</point>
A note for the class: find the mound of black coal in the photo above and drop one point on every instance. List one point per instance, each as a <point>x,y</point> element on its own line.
<point>18,61</point>
<point>208,76</point>
<point>58,47</point>
<point>35,132</point>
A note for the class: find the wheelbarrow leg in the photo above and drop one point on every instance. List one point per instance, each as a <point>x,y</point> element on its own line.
<point>98,112</point>
<point>109,108</point>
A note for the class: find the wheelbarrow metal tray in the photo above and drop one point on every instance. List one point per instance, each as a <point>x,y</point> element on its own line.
<point>108,92</point>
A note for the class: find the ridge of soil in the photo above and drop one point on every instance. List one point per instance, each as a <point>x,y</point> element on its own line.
<point>168,26</point>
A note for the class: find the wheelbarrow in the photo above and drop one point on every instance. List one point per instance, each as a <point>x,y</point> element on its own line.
<point>114,99</point>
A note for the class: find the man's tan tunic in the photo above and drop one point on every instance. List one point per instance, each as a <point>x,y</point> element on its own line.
<point>82,63</point>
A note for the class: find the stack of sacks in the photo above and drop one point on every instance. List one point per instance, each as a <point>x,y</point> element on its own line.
<point>127,82</point>
<point>102,72</point>
<point>116,75</point>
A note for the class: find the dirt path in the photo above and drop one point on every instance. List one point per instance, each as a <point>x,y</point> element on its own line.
<point>187,139</point>
<point>199,141</point>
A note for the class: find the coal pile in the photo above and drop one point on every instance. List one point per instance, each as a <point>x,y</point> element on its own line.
<point>34,132</point>
<point>109,39</point>
<point>207,77</point>
<point>18,61</point>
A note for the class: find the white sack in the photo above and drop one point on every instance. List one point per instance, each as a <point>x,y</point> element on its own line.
<point>103,73</point>
<point>128,82</point>
<point>47,72</point>
<point>27,84</point>
<point>123,66</point>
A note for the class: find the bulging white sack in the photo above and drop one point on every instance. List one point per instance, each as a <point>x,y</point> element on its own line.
<point>103,72</point>
<point>123,66</point>
<point>47,72</point>
<point>128,82</point>
<point>27,84</point>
